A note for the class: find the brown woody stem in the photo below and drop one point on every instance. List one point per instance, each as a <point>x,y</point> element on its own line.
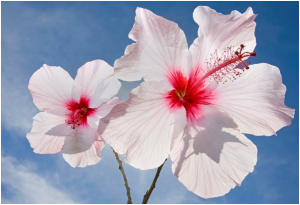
<point>124,177</point>
<point>149,191</point>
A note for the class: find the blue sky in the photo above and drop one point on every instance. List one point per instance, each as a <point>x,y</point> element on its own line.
<point>68,34</point>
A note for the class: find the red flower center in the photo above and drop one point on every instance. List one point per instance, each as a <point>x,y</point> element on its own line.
<point>189,96</point>
<point>78,112</point>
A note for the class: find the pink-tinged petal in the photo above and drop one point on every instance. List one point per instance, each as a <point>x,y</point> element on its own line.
<point>218,32</point>
<point>61,130</point>
<point>160,46</point>
<point>96,81</point>
<point>212,157</point>
<point>83,148</point>
<point>39,141</point>
<point>82,140</point>
<point>50,87</point>
<point>256,101</point>
<point>104,91</point>
<point>142,127</point>
<point>75,93</point>
<point>86,158</point>
<point>102,111</point>
<point>60,111</point>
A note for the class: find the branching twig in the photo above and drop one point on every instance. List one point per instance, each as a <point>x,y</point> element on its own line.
<point>149,191</point>
<point>124,177</point>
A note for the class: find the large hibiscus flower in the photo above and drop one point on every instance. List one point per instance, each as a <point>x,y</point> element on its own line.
<point>72,110</point>
<point>195,103</point>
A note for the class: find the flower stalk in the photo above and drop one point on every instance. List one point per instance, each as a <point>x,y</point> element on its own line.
<point>124,177</point>
<point>149,191</point>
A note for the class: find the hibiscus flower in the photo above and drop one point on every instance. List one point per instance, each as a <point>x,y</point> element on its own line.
<point>195,103</point>
<point>72,109</point>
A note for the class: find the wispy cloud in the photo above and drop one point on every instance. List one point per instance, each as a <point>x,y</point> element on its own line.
<point>17,106</point>
<point>26,186</point>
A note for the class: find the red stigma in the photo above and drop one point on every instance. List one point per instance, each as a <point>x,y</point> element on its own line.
<point>184,94</point>
<point>78,111</point>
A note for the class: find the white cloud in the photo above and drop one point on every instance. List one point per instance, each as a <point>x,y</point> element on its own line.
<point>28,187</point>
<point>17,107</point>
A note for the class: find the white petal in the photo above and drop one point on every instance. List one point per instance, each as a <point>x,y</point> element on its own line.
<point>142,127</point>
<point>85,158</point>
<point>39,141</point>
<point>95,80</point>
<point>82,140</point>
<point>102,111</point>
<point>60,111</point>
<point>61,130</point>
<point>256,100</point>
<point>104,91</point>
<point>83,148</point>
<point>50,87</point>
<point>218,31</point>
<point>212,157</point>
<point>160,47</point>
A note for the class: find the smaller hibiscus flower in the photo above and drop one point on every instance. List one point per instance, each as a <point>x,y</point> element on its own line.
<point>72,109</point>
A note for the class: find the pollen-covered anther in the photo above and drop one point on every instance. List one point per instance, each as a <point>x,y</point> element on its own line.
<point>228,65</point>
<point>75,119</point>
